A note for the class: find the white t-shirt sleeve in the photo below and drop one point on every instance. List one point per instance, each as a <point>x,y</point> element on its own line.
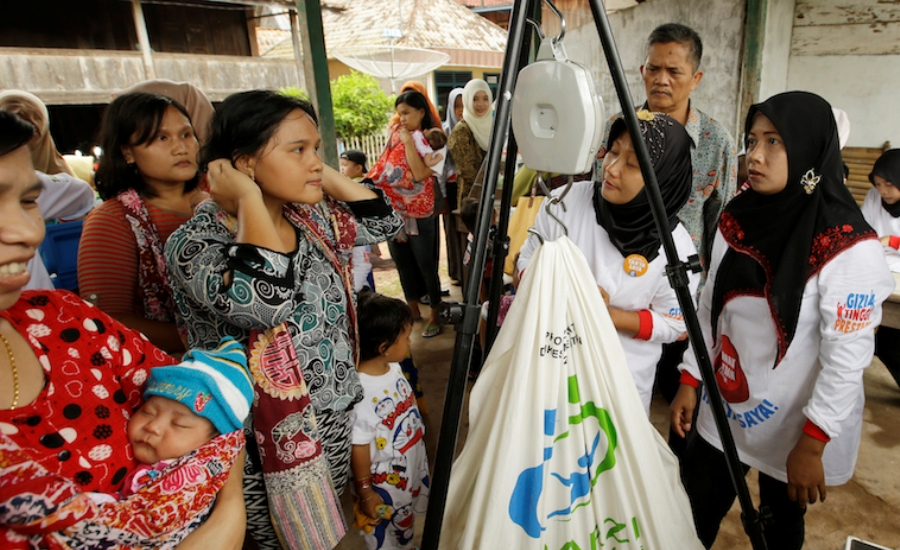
<point>852,288</point>
<point>363,432</point>
<point>668,319</point>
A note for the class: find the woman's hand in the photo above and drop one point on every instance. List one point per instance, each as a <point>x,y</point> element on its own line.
<point>405,136</point>
<point>226,525</point>
<point>806,475</point>
<point>626,322</point>
<point>682,409</point>
<point>229,186</point>
<point>605,295</point>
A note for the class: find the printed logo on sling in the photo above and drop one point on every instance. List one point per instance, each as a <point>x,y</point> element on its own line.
<point>855,312</point>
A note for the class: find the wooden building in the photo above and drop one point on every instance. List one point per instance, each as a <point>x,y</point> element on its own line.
<point>76,55</point>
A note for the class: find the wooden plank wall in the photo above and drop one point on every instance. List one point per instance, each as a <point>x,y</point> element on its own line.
<point>846,27</point>
<point>860,161</point>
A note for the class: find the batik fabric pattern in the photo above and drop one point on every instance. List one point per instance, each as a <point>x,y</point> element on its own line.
<point>52,513</point>
<point>391,174</point>
<point>153,279</point>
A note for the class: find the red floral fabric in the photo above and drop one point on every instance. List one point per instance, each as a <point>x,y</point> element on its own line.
<point>95,369</point>
<point>391,174</point>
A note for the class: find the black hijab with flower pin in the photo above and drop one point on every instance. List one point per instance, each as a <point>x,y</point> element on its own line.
<point>630,226</point>
<point>778,242</point>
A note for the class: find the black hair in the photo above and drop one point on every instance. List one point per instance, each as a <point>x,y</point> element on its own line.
<point>14,132</point>
<point>131,119</point>
<point>846,170</point>
<point>381,320</point>
<point>417,101</point>
<point>246,121</point>
<point>682,34</point>
<point>468,212</point>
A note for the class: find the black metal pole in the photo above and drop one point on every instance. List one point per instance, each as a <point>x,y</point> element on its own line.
<point>678,279</point>
<point>468,328</point>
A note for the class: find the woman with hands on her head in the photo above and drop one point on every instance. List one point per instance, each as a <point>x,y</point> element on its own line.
<point>795,289</point>
<point>267,261</point>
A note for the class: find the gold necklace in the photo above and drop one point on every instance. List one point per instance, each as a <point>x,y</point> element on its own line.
<point>15,372</point>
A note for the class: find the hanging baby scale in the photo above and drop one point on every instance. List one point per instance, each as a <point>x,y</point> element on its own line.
<point>557,114</point>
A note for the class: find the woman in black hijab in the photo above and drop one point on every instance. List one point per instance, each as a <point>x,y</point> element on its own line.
<point>611,222</point>
<point>882,210</point>
<point>794,293</point>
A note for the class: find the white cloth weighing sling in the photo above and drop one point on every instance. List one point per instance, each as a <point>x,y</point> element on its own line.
<point>560,454</point>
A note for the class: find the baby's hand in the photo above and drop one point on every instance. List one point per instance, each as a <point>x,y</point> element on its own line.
<point>885,241</point>
<point>432,158</point>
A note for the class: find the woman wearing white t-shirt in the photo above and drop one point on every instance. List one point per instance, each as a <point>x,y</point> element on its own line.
<point>611,223</point>
<point>793,296</point>
<point>882,210</point>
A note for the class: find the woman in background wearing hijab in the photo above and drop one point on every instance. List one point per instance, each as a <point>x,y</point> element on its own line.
<point>611,222</point>
<point>882,210</point>
<point>30,108</point>
<point>470,138</point>
<point>195,102</point>
<point>65,197</point>
<point>454,252</point>
<point>793,297</point>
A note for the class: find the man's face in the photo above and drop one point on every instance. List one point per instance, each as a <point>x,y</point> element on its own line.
<point>669,77</point>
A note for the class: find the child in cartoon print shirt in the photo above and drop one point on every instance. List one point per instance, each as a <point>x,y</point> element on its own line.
<point>390,467</point>
<point>187,405</point>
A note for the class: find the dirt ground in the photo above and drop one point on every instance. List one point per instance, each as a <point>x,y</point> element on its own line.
<point>867,507</point>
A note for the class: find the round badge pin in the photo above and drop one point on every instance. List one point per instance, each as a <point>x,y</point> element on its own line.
<point>636,265</point>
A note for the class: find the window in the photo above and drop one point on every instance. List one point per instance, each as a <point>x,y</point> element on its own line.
<point>493,80</point>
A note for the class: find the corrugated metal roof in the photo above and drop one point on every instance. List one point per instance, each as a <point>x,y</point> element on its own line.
<point>432,24</point>
<point>425,24</point>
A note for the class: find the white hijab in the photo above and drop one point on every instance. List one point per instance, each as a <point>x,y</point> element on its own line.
<point>480,125</point>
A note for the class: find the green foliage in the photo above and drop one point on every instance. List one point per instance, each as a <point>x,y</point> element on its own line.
<point>361,108</point>
<point>293,91</point>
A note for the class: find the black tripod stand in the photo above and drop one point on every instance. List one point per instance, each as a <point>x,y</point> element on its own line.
<point>515,59</point>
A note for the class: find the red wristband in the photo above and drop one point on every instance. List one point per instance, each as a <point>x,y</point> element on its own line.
<point>686,378</point>
<point>816,432</point>
<point>894,242</point>
<point>646,328</point>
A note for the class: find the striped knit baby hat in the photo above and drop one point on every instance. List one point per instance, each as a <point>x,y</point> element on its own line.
<point>214,384</point>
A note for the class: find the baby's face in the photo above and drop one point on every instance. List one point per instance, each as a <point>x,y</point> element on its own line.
<point>163,429</point>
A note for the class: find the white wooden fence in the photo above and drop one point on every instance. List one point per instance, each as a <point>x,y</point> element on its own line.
<point>372,145</point>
